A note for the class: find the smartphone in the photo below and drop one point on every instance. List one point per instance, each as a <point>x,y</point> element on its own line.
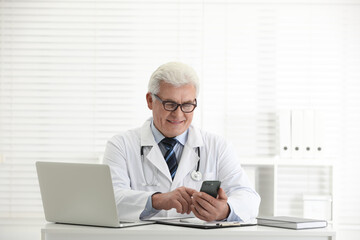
<point>210,187</point>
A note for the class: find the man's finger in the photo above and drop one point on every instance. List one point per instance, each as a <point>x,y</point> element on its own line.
<point>185,205</point>
<point>196,213</point>
<point>209,205</point>
<point>190,191</point>
<point>178,206</point>
<point>205,198</point>
<point>186,196</point>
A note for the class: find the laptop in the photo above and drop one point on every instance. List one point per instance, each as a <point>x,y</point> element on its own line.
<point>79,193</point>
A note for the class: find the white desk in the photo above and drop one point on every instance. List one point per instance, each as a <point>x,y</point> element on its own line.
<point>53,231</point>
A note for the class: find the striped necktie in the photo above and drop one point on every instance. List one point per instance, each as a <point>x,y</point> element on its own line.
<point>170,156</point>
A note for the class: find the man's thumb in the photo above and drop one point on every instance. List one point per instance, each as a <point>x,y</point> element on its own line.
<point>222,194</point>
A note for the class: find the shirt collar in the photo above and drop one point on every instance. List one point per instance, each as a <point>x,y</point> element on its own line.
<point>158,135</point>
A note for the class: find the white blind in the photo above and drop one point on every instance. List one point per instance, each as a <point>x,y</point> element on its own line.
<point>74,73</point>
<point>270,57</point>
<point>349,164</point>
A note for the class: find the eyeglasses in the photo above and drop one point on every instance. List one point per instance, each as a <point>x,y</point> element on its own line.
<point>172,106</point>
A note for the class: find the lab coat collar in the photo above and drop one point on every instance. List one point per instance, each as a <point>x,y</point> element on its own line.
<point>189,157</point>
<point>147,137</point>
<point>194,138</point>
<point>158,136</point>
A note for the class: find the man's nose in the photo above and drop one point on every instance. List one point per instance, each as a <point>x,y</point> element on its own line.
<point>178,112</point>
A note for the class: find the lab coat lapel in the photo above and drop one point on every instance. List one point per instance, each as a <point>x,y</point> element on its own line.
<point>154,156</point>
<point>189,158</point>
<point>188,162</point>
<point>157,159</point>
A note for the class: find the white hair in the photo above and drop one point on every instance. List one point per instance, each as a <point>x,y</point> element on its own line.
<point>174,73</point>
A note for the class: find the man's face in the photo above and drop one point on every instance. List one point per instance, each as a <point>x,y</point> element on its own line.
<point>172,124</point>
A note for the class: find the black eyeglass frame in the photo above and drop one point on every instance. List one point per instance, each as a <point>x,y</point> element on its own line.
<point>177,105</point>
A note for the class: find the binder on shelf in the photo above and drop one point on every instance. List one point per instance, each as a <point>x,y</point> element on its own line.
<point>319,134</point>
<point>309,134</point>
<point>285,134</point>
<point>297,147</point>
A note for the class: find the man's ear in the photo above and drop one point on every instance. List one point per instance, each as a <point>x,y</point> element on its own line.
<point>149,100</point>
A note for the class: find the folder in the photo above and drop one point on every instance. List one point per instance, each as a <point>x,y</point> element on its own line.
<point>319,134</point>
<point>297,147</point>
<point>309,133</point>
<point>285,134</point>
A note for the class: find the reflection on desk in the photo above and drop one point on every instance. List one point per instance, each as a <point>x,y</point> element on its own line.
<point>52,231</point>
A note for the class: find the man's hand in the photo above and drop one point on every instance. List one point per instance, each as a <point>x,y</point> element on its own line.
<point>180,199</point>
<point>207,208</point>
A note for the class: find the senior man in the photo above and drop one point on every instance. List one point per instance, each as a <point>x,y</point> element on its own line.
<point>157,169</point>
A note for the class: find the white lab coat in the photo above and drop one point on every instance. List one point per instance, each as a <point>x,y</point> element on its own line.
<point>136,177</point>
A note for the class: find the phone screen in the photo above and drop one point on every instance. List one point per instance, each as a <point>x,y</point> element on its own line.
<point>210,187</point>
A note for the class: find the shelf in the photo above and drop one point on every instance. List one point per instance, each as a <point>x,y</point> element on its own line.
<point>275,160</point>
<point>281,182</point>
<point>304,162</point>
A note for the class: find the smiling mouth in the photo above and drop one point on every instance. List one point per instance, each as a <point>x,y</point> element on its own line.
<point>176,122</point>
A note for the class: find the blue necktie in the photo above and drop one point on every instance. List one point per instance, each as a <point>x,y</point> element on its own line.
<point>170,156</point>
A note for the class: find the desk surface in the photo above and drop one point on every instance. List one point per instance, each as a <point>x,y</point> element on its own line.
<point>157,231</point>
